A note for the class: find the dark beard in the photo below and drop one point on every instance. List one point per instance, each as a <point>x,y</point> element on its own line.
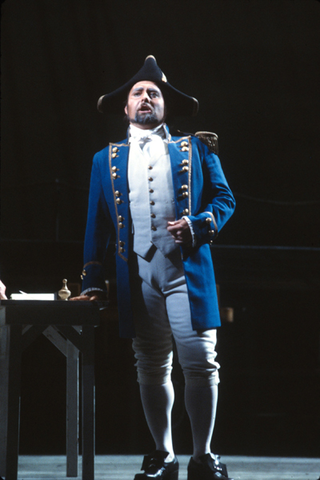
<point>149,119</point>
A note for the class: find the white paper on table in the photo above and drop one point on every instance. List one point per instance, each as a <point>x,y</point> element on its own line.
<point>32,296</point>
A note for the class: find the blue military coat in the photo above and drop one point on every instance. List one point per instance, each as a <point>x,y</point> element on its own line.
<point>201,193</point>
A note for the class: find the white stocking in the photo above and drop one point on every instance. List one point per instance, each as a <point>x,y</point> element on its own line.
<point>201,405</point>
<point>157,402</point>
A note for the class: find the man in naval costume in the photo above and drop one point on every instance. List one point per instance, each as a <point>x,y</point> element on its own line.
<point>167,198</point>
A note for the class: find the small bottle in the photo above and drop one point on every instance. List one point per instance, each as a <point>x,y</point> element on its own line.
<point>64,293</point>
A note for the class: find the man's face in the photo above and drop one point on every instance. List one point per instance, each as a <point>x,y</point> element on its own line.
<point>145,106</point>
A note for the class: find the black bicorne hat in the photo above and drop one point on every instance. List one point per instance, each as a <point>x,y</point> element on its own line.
<point>177,103</point>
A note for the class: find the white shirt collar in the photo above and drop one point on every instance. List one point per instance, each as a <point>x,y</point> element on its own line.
<point>139,133</point>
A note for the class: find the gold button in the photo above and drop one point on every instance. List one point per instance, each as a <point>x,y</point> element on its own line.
<point>185,169</point>
<point>151,202</point>
<point>114,169</point>
<point>150,179</point>
<point>114,175</point>
<point>185,212</point>
<point>184,144</point>
<point>185,149</point>
<point>118,201</point>
<point>185,194</point>
<point>121,225</point>
<point>115,149</point>
<point>208,220</point>
<point>121,249</point>
<point>153,228</point>
<point>153,215</point>
<point>114,155</point>
<point>84,273</point>
<point>185,162</point>
<point>211,233</point>
<point>184,187</point>
<point>117,193</point>
<point>121,243</point>
<point>120,218</point>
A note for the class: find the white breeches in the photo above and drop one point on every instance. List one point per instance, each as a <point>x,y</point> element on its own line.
<point>161,310</point>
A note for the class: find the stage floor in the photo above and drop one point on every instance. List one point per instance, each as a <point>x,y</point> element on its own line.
<point>124,467</point>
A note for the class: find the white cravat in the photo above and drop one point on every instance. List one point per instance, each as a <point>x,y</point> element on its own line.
<point>150,141</point>
<point>141,134</point>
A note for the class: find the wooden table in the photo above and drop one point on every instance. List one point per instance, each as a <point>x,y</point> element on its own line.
<point>70,327</point>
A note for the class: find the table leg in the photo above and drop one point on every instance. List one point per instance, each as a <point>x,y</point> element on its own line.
<point>88,404</point>
<point>4,366</point>
<point>13,419</point>
<point>72,440</point>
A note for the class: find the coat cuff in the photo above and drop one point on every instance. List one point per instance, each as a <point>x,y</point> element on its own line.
<point>204,227</point>
<point>88,290</point>
<point>93,277</point>
<point>194,240</point>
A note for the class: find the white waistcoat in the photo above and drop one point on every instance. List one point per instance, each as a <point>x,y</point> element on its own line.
<point>151,196</point>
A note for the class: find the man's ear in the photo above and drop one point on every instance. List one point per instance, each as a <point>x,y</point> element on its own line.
<point>126,110</point>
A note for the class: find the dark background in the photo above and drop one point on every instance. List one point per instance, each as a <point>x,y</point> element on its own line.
<point>254,67</point>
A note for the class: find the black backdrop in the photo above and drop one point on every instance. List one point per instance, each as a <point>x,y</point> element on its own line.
<point>254,67</point>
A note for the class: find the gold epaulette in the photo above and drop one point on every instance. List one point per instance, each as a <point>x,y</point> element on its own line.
<point>210,139</point>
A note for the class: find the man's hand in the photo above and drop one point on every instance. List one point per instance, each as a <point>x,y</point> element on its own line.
<point>180,232</point>
<point>2,291</point>
<point>91,297</point>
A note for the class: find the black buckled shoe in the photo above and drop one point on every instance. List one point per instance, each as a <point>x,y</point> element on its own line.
<point>154,466</point>
<point>210,468</point>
